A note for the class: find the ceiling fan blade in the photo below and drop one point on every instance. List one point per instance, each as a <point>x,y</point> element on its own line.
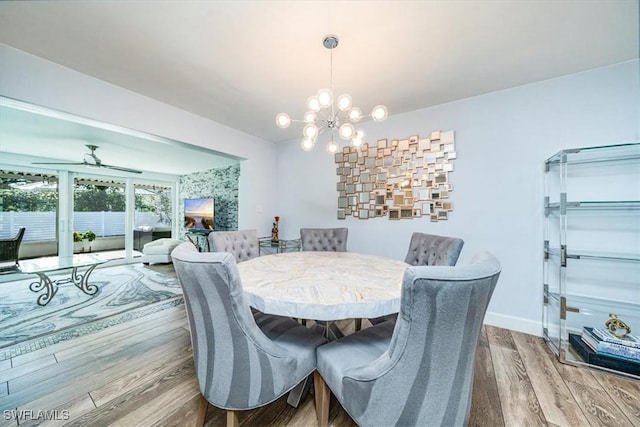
<point>57,163</point>
<point>91,160</point>
<point>118,168</point>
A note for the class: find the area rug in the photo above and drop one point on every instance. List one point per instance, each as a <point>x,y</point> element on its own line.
<point>121,290</point>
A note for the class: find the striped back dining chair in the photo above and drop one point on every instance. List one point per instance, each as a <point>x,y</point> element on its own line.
<point>428,249</point>
<point>242,360</point>
<point>418,370</point>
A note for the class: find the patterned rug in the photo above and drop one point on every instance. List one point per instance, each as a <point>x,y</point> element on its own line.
<point>125,291</point>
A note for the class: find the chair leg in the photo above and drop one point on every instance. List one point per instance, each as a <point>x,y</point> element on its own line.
<point>322,395</point>
<point>232,419</point>
<point>202,411</point>
<point>299,392</point>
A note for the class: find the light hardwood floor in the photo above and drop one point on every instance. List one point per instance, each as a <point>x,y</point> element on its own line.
<point>141,373</point>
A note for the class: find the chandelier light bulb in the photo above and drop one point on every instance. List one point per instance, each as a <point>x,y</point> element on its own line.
<point>360,134</point>
<point>332,146</point>
<point>313,103</point>
<point>310,131</point>
<point>344,102</point>
<point>307,144</point>
<point>346,131</point>
<point>355,114</point>
<point>379,113</point>
<point>358,138</point>
<point>325,98</point>
<point>310,117</point>
<point>283,120</point>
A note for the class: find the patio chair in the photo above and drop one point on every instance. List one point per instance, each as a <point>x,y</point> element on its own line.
<point>10,252</point>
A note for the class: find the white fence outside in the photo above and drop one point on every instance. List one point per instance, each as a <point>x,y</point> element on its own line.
<point>42,225</point>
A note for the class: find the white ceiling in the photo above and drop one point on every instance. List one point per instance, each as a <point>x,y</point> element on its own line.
<point>240,63</point>
<point>53,136</point>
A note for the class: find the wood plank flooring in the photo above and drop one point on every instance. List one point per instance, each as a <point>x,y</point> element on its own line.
<point>140,373</point>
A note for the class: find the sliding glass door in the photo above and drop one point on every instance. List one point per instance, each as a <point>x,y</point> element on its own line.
<point>67,213</point>
<point>116,211</point>
<point>99,215</point>
<point>30,200</point>
<point>153,214</point>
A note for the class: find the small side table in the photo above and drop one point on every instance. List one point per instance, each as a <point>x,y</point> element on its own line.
<point>267,247</point>
<point>200,239</point>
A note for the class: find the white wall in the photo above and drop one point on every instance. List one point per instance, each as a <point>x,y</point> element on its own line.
<point>31,79</point>
<point>502,140</point>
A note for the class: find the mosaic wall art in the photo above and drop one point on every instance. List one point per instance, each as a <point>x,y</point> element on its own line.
<point>399,179</point>
<point>222,184</point>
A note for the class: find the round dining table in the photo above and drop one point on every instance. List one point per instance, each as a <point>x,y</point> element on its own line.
<point>323,285</point>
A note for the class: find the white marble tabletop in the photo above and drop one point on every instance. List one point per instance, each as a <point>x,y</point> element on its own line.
<point>323,285</point>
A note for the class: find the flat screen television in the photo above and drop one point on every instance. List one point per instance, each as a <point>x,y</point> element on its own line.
<point>198,214</point>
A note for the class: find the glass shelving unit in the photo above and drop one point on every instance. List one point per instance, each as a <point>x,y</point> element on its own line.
<point>591,244</point>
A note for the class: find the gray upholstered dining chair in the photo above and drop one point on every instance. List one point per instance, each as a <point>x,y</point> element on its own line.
<point>429,249</point>
<point>242,244</point>
<point>418,370</point>
<point>242,360</point>
<point>324,239</point>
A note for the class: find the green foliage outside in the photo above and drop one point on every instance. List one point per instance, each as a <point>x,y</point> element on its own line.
<point>98,198</point>
<point>86,198</point>
<point>79,237</point>
<point>28,201</point>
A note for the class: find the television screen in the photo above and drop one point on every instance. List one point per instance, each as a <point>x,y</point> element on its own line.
<point>198,214</point>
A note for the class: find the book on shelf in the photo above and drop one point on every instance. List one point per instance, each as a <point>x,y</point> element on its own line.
<point>609,348</point>
<point>606,335</point>
<point>604,360</point>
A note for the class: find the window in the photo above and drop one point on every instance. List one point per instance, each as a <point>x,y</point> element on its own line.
<point>30,200</point>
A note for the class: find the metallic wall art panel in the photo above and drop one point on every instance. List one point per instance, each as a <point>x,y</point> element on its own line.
<point>399,179</point>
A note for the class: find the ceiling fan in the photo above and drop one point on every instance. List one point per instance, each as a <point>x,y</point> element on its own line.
<point>91,160</point>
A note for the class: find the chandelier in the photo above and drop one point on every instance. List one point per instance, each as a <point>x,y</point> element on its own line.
<point>324,115</point>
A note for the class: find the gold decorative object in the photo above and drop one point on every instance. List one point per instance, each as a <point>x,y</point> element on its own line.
<point>617,327</point>
<point>274,230</point>
<point>401,179</point>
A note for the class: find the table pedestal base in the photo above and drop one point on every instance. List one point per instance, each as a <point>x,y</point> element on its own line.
<point>329,330</point>
<point>80,281</point>
<point>299,392</point>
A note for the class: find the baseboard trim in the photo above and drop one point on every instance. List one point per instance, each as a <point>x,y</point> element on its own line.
<point>514,323</point>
